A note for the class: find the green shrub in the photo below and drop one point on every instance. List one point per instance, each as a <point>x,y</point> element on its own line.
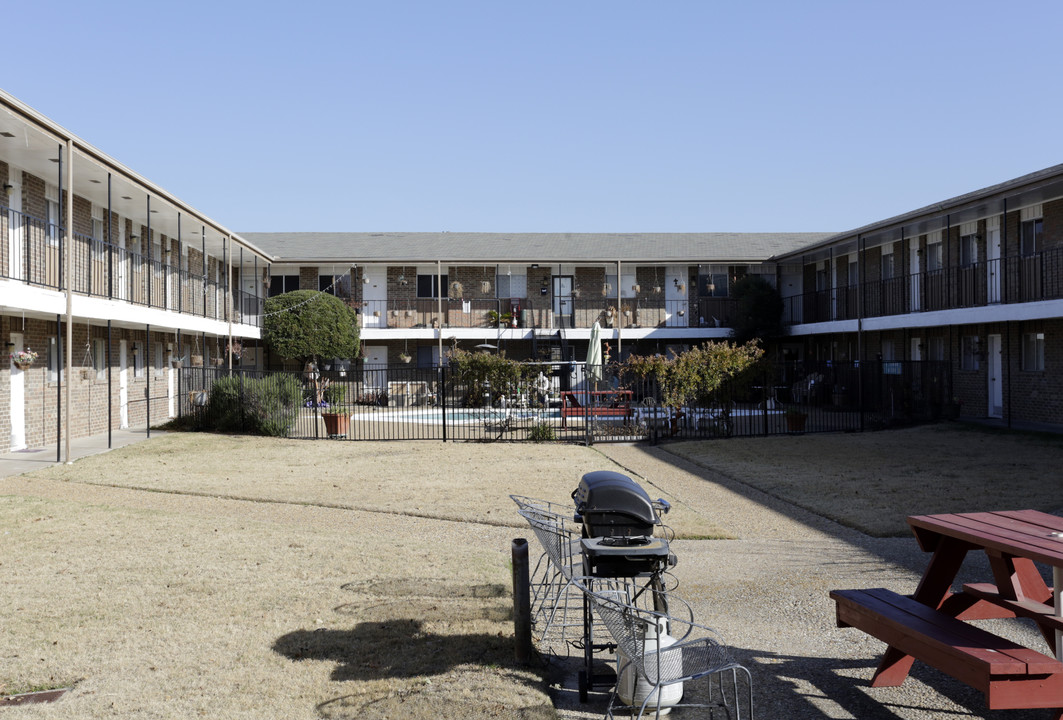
<point>258,406</point>
<point>542,432</point>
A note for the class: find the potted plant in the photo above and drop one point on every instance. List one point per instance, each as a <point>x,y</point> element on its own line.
<point>335,412</point>
<point>795,419</point>
<point>405,356</point>
<point>24,359</point>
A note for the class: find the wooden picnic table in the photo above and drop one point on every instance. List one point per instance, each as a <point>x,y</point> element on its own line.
<point>931,626</point>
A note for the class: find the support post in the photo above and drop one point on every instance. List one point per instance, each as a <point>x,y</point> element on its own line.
<point>67,273</point>
<point>521,601</point>
<point>110,410</point>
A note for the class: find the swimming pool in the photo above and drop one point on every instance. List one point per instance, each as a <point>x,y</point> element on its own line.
<point>461,416</point>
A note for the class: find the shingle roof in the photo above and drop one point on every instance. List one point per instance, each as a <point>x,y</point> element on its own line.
<point>531,247</point>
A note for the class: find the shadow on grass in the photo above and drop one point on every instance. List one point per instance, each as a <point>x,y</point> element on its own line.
<point>816,687</point>
<point>423,648</point>
<point>397,648</point>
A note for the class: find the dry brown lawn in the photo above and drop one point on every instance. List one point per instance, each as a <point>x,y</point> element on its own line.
<point>230,577</point>
<point>873,481</point>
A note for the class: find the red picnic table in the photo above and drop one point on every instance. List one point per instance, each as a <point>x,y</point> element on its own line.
<point>930,624</point>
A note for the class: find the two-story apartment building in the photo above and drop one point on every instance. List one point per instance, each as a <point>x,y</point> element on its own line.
<point>117,285</point>
<point>975,281</point>
<point>535,295</point>
<point>110,281</point>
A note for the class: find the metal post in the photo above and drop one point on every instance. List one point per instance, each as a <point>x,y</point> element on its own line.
<point>151,259</point>
<point>147,375</point>
<point>110,418</point>
<point>203,238</point>
<point>59,388</point>
<point>110,260</point>
<point>180,280</point>
<point>179,368</point>
<point>65,272</point>
<point>522,602</point>
<point>441,394</point>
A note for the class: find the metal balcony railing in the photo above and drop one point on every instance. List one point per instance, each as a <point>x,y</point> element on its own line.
<point>1014,279</point>
<point>32,251</point>
<point>545,313</point>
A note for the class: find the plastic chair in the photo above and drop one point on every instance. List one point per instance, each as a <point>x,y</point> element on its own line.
<point>658,650</point>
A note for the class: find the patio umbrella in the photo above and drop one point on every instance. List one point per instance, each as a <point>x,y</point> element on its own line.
<point>594,354</point>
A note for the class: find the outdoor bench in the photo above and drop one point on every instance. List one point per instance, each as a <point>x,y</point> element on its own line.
<point>603,403</point>
<point>1010,675</point>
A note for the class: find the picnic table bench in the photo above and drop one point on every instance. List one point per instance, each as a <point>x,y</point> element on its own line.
<point>595,403</point>
<point>931,626</point>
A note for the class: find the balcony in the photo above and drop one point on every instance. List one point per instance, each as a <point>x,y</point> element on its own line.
<point>1014,279</point>
<point>546,313</point>
<point>31,251</point>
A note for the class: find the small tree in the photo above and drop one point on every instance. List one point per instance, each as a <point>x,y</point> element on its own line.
<point>759,311</point>
<point>310,325</point>
<point>478,371</point>
<point>692,377</point>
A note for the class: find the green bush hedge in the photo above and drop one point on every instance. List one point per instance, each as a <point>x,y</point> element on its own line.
<point>258,406</point>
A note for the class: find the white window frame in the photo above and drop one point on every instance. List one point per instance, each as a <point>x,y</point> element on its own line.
<point>99,357</point>
<point>970,346</point>
<point>1033,352</point>
<point>54,362</point>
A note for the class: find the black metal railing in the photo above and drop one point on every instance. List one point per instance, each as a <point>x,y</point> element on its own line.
<point>546,312</point>
<point>1015,279</point>
<point>32,251</point>
<point>557,401</point>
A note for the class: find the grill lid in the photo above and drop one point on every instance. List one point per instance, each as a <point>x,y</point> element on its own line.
<point>609,497</point>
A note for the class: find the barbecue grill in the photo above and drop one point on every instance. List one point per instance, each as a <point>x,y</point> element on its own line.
<point>618,520</point>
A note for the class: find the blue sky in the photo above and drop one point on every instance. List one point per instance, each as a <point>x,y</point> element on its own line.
<point>576,115</point>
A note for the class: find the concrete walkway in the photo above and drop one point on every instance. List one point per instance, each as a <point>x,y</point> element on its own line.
<point>24,461</point>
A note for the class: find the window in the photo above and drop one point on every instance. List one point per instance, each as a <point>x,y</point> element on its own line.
<point>338,285</point>
<point>1030,236</point>
<point>99,229</point>
<point>160,359</point>
<point>99,357</point>
<point>280,284</point>
<point>936,348</point>
<point>887,263</point>
<point>138,360</point>
<point>53,360</point>
<point>933,256</point>
<point>715,281</point>
<point>627,285</point>
<point>968,250</point>
<point>970,346</point>
<point>889,352</point>
<point>428,286</point>
<point>51,201</point>
<point>512,286</point>
<point>1033,351</point>
<point>854,272</point>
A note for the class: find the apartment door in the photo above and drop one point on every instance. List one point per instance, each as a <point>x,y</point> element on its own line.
<point>123,384</point>
<point>996,385</point>
<point>18,399</point>
<point>376,368</point>
<point>993,266</point>
<point>915,275</point>
<point>375,297</point>
<point>563,299</point>
<point>14,231</point>
<point>675,301</point>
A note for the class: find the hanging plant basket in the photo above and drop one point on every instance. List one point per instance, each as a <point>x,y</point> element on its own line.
<point>405,357</point>
<point>24,359</point>
<point>197,361</point>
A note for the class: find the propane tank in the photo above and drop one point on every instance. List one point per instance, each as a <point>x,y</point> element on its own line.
<point>632,688</point>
